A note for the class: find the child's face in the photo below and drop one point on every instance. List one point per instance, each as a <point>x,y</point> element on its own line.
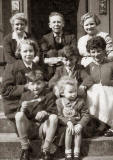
<point>71,61</point>
<point>56,23</point>
<point>98,54</point>
<point>19,26</point>
<point>90,26</point>
<point>38,87</point>
<point>27,53</point>
<point>70,92</point>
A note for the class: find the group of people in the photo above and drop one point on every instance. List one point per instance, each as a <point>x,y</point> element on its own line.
<point>58,85</point>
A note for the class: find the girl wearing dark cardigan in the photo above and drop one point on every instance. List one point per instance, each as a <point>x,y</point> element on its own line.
<point>14,85</point>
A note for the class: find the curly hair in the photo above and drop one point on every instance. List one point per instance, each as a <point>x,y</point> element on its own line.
<point>31,43</point>
<point>96,42</point>
<point>90,15</point>
<point>63,81</point>
<point>19,16</point>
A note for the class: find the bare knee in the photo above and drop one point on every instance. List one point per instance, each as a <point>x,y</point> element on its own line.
<point>68,133</point>
<point>20,116</point>
<point>53,118</point>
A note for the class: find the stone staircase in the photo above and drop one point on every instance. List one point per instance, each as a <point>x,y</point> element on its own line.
<point>100,148</point>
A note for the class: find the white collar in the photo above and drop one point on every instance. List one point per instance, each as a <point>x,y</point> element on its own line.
<point>57,35</point>
<point>27,65</point>
<point>15,36</point>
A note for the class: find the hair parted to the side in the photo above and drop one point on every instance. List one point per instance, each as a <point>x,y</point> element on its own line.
<point>30,42</point>
<point>63,81</point>
<point>19,16</point>
<point>56,14</point>
<point>90,15</point>
<point>34,76</point>
<point>96,42</point>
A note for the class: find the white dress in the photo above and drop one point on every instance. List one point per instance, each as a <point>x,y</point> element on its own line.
<point>100,97</point>
<point>100,103</point>
<point>82,42</point>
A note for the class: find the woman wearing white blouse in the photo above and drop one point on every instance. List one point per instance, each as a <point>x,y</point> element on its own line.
<point>90,21</point>
<point>12,40</point>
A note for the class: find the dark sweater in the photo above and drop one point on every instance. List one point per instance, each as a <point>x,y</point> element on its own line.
<point>13,86</point>
<point>47,104</point>
<point>9,46</point>
<point>81,115</point>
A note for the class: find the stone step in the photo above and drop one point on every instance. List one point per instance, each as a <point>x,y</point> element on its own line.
<point>6,126</point>
<point>99,158</point>
<point>85,158</point>
<point>1,103</point>
<point>10,147</point>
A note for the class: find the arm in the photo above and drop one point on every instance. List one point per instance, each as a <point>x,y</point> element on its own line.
<point>10,88</point>
<point>50,103</point>
<point>109,47</point>
<point>73,44</point>
<point>69,47</point>
<point>8,52</point>
<point>86,79</point>
<point>85,116</point>
<point>55,78</point>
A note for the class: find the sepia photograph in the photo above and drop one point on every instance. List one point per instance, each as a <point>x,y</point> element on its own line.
<point>56,79</point>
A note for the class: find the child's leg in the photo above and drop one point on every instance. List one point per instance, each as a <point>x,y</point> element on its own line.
<point>77,144</point>
<point>22,124</point>
<point>68,143</point>
<point>49,129</point>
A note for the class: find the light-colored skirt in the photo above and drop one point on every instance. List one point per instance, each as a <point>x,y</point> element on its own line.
<point>100,103</point>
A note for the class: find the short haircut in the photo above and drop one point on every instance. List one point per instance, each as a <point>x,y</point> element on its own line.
<point>19,16</point>
<point>96,42</point>
<point>34,76</point>
<point>65,80</point>
<point>90,15</point>
<point>56,14</point>
<point>30,42</point>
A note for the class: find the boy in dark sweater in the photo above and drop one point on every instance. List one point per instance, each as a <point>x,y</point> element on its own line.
<point>37,105</point>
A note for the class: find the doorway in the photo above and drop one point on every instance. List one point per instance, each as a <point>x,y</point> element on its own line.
<point>40,10</point>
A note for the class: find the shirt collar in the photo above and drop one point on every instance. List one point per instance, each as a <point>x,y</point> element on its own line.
<point>57,35</point>
<point>28,66</point>
<point>15,36</point>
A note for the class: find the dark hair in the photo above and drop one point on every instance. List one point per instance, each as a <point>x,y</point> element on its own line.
<point>96,42</point>
<point>90,15</point>
<point>34,76</point>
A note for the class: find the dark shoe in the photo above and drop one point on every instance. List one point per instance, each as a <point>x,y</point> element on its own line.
<point>76,158</point>
<point>68,157</point>
<point>45,156</point>
<point>108,133</point>
<point>25,155</point>
<point>99,133</point>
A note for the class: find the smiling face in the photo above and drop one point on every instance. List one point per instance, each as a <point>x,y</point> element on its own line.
<point>98,54</point>
<point>19,26</point>
<point>56,24</point>
<point>27,53</point>
<point>70,92</point>
<point>38,87</point>
<point>90,26</point>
